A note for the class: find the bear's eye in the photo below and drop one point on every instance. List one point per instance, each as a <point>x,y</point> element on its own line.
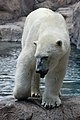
<point>59,43</point>
<point>35,42</point>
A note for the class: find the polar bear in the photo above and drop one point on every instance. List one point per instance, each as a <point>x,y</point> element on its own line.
<point>45,53</point>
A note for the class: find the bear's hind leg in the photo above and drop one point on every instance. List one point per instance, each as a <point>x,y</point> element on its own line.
<point>35,91</point>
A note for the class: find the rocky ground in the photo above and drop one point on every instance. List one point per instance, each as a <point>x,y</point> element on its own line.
<point>32,110</point>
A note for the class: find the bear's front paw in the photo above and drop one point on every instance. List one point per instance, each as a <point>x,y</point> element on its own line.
<point>51,101</point>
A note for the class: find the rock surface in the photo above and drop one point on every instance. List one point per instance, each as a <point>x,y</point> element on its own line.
<point>13,9</point>
<point>53,4</point>
<point>12,31</point>
<point>76,26</point>
<point>72,14</point>
<point>67,12</point>
<point>32,110</point>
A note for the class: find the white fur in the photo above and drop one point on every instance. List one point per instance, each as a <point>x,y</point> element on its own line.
<point>45,27</point>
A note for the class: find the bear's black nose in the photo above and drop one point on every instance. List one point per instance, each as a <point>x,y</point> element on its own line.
<point>42,73</point>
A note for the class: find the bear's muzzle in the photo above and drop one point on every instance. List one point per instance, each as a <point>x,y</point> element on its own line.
<point>41,67</point>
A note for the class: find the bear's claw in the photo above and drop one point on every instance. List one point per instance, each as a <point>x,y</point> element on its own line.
<point>49,104</point>
<point>35,95</point>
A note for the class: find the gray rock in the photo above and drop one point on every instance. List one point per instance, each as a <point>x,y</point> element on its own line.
<point>67,12</point>
<point>13,9</point>
<point>76,25</point>
<point>12,31</point>
<point>32,110</point>
<point>53,4</point>
<point>72,14</point>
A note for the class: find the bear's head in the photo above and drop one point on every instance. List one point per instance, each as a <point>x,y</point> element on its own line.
<point>49,50</point>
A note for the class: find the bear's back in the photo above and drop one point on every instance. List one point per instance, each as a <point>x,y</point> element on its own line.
<point>33,22</point>
<point>41,20</point>
<point>42,14</point>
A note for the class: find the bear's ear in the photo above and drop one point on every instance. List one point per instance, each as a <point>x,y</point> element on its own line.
<point>59,43</point>
<point>35,42</point>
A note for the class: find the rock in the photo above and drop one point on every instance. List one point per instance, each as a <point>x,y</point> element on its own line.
<point>67,12</point>
<point>53,4</point>
<point>12,31</point>
<point>43,3</point>
<point>13,9</point>
<point>32,110</point>
<point>10,10</point>
<point>76,25</point>
<point>5,17</point>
